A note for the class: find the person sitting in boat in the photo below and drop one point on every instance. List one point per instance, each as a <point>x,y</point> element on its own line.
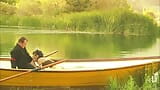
<point>20,57</point>
<point>39,60</point>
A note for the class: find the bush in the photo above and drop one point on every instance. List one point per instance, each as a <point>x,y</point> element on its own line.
<point>123,22</point>
<point>7,9</point>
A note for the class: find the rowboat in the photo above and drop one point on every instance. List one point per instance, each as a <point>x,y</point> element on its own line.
<point>79,72</point>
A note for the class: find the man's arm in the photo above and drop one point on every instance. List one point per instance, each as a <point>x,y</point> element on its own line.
<point>13,62</point>
<point>29,58</point>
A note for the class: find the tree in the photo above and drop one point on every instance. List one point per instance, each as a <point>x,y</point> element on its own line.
<point>110,4</point>
<point>78,5</point>
<point>9,1</point>
<point>29,7</point>
<point>7,9</point>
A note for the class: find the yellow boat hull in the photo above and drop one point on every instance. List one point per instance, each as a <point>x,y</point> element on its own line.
<point>73,78</point>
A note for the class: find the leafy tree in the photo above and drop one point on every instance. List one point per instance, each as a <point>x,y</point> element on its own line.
<point>9,1</point>
<point>29,7</point>
<point>52,7</point>
<point>110,4</point>
<point>78,5</point>
<point>7,9</point>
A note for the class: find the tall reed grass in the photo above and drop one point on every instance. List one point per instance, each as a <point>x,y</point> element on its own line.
<point>148,84</point>
<point>123,22</point>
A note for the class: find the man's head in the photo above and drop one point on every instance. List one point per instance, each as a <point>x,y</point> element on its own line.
<point>22,42</point>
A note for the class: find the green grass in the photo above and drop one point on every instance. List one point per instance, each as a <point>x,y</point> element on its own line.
<point>123,22</point>
<point>131,84</point>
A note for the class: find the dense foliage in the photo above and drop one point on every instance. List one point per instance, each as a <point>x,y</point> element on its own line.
<point>107,16</point>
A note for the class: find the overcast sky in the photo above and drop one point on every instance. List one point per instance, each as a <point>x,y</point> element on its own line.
<point>140,4</point>
<point>145,2</point>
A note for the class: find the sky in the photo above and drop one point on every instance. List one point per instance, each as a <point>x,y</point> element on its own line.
<point>140,4</point>
<point>147,2</point>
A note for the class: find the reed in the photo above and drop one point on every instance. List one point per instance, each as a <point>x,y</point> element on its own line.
<point>148,84</point>
<point>130,84</point>
<point>114,84</point>
<point>123,22</point>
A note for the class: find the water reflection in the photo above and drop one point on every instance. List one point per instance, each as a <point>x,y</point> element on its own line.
<point>80,45</point>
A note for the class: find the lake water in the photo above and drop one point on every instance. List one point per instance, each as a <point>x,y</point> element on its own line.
<point>78,45</point>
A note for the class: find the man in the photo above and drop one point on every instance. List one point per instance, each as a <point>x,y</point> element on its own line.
<point>20,56</point>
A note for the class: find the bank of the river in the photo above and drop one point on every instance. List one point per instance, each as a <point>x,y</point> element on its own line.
<point>123,22</point>
<point>151,82</point>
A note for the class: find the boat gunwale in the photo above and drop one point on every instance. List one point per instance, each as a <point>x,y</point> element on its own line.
<point>91,70</point>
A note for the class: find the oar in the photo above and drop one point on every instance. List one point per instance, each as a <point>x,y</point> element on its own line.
<point>7,59</point>
<point>29,71</point>
<point>51,53</point>
<point>111,59</point>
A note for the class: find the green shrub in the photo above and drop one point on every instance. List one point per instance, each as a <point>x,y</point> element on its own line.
<point>123,22</point>
<point>7,9</point>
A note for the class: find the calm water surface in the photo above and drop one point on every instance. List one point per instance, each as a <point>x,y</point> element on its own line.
<point>76,45</point>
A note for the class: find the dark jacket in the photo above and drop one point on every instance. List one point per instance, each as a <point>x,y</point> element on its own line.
<point>21,56</point>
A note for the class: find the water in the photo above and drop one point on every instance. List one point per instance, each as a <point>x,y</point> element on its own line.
<point>75,45</point>
<point>79,46</point>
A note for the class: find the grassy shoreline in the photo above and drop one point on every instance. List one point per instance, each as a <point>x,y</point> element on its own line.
<point>131,84</point>
<point>123,22</point>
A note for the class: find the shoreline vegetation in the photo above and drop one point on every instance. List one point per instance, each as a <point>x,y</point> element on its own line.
<point>120,19</point>
<point>151,81</point>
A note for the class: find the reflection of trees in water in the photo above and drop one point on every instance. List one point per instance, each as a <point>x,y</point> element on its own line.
<point>88,46</point>
<point>7,41</point>
<point>102,46</point>
<point>81,45</point>
<point>130,43</point>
